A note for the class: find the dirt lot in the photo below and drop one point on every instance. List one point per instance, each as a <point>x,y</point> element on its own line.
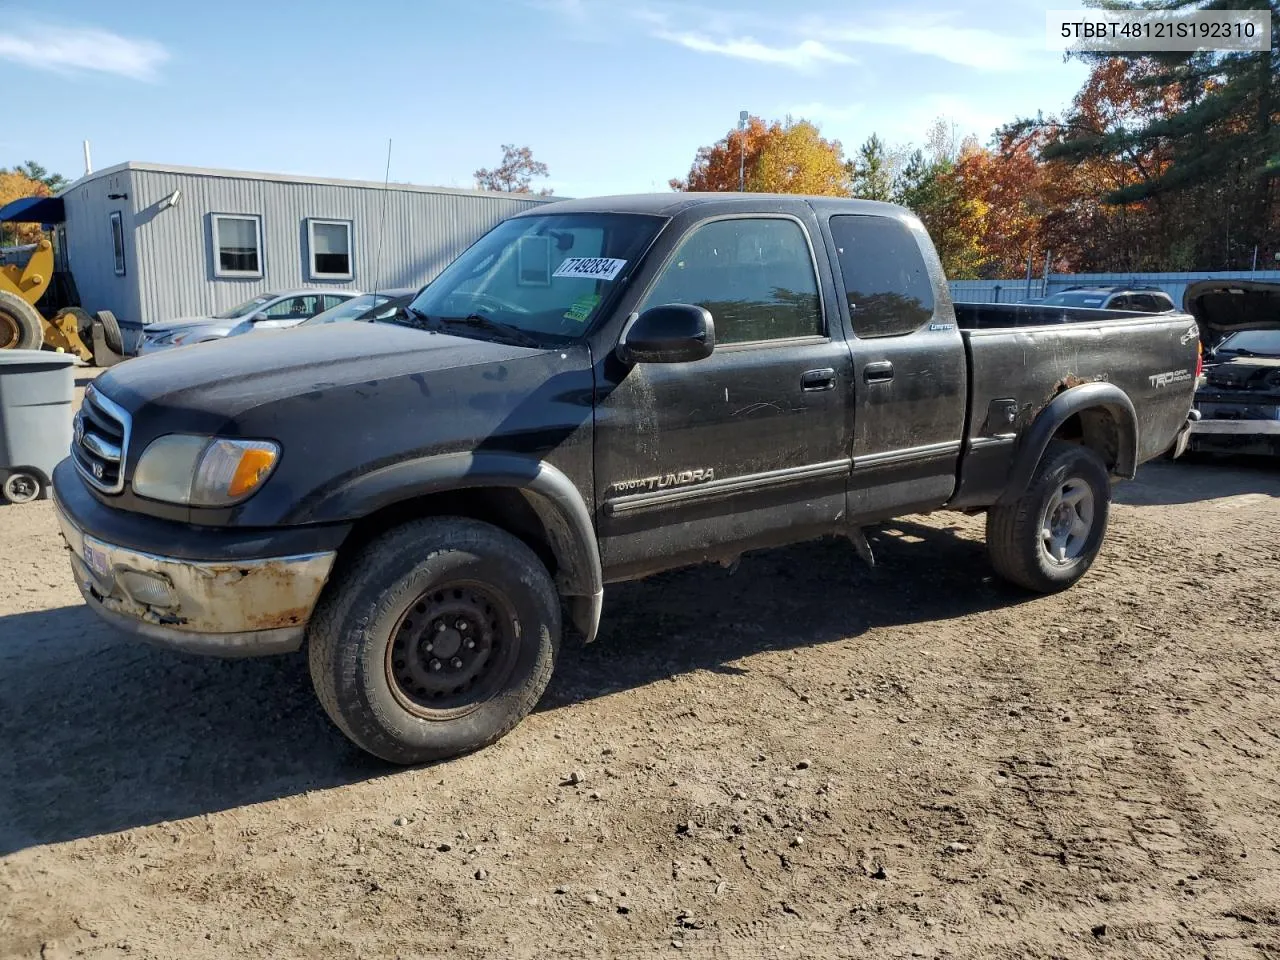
<point>803,758</point>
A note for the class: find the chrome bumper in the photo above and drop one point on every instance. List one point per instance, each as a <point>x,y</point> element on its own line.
<point>1237,428</point>
<point>242,608</point>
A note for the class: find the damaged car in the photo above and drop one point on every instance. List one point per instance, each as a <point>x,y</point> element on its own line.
<point>1238,398</point>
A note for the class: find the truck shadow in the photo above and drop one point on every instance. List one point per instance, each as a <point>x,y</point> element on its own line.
<point>101,734</point>
<point>1199,477</point>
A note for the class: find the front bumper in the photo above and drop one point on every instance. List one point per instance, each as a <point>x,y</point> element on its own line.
<point>226,608</point>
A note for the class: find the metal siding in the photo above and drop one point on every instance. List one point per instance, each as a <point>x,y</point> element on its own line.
<point>1174,284</point>
<point>89,248</point>
<point>423,232</point>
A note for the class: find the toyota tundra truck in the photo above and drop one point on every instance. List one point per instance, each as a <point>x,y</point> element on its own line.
<point>595,391</point>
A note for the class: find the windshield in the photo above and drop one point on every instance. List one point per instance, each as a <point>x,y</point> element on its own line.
<point>1258,343</point>
<point>246,308</point>
<point>1093,300</point>
<point>347,310</point>
<point>542,277</point>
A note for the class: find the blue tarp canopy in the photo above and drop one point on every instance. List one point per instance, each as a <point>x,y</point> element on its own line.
<point>33,210</point>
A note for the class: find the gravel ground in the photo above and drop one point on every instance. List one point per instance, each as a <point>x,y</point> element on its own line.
<point>803,758</point>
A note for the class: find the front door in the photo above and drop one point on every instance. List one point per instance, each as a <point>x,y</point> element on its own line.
<point>910,368</point>
<point>747,447</point>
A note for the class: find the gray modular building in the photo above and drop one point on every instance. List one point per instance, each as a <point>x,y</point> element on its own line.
<point>151,242</point>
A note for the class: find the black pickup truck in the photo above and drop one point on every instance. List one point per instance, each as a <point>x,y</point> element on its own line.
<point>595,391</point>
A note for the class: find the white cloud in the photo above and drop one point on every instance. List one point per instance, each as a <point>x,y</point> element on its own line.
<point>804,55</point>
<point>62,49</point>
<point>973,47</point>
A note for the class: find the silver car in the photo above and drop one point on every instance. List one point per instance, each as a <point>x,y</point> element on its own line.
<point>269,311</point>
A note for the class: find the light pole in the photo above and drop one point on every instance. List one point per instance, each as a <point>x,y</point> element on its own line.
<point>742,160</point>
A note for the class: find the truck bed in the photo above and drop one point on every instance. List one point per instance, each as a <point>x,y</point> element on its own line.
<point>1021,356</point>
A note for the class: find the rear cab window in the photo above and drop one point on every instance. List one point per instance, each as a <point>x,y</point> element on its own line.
<point>886,282</point>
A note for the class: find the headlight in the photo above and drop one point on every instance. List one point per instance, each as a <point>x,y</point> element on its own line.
<point>203,471</point>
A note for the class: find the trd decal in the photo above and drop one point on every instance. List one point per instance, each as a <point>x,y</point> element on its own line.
<point>1172,376</point>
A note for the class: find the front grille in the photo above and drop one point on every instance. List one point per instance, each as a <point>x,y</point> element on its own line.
<point>101,441</point>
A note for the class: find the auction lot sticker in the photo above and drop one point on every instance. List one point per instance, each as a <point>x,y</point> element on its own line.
<point>590,268</point>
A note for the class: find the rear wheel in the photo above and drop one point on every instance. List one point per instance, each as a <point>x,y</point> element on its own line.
<point>21,327</point>
<point>111,331</point>
<point>1048,538</point>
<point>435,639</point>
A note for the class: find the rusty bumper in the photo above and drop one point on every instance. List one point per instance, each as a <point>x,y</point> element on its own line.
<point>244,608</point>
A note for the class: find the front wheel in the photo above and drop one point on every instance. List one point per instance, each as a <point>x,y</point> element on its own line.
<point>1049,537</point>
<point>434,640</point>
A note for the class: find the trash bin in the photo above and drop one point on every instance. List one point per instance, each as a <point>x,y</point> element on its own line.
<point>37,390</point>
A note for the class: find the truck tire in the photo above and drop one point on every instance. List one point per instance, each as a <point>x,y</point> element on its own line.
<point>111,331</point>
<point>1048,539</point>
<point>21,327</point>
<point>21,487</point>
<point>434,640</point>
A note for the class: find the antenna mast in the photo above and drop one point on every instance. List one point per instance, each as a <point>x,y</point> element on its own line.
<point>382,224</point>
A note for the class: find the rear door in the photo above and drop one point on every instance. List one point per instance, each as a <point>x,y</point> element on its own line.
<point>909,365</point>
<point>749,446</point>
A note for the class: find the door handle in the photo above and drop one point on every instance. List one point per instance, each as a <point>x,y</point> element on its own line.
<point>879,372</point>
<point>815,380</point>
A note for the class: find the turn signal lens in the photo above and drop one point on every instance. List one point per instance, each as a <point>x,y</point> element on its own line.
<point>1199,359</point>
<point>230,470</point>
<point>254,467</point>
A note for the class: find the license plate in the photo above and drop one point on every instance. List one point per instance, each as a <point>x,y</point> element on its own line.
<point>96,560</point>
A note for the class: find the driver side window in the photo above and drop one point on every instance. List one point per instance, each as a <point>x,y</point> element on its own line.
<point>754,276</point>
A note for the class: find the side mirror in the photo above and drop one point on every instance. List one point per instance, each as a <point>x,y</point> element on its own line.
<point>258,318</point>
<point>674,333</point>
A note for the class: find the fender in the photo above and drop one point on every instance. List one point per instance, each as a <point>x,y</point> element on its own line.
<point>1086,396</point>
<point>549,492</point>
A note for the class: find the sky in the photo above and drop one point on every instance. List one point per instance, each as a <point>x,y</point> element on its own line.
<point>615,97</point>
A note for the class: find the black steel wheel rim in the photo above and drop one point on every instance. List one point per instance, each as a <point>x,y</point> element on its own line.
<point>452,648</point>
<point>10,330</point>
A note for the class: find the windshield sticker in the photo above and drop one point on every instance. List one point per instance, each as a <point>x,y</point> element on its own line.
<point>582,307</point>
<point>591,268</point>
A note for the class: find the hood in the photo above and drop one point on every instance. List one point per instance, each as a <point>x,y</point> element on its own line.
<point>179,322</point>
<point>201,328</point>
<point>1225,306</point>
<point>226,377</point>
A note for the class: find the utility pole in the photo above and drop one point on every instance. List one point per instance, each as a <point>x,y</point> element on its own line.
<point>742,160</point>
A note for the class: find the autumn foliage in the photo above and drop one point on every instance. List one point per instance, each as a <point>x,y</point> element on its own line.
<point>1166,163</point>
<point>782,157</point>
<point>15,186</point>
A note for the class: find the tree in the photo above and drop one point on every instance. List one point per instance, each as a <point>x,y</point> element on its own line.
<point>931,188</point>
<point>514,174</point>
<point>796,159</point>
<point>870,172</point>
<point>1211,122</point>
<point>34,171</point>
<point>790,156</point>
<point>15,186</point>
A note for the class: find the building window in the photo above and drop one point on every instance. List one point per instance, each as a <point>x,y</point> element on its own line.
<point>117,241</point>
<point>237,244</point>
<point>330,244</point>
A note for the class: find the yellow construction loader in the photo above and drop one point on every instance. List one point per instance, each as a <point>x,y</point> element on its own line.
<point>21,325</point>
